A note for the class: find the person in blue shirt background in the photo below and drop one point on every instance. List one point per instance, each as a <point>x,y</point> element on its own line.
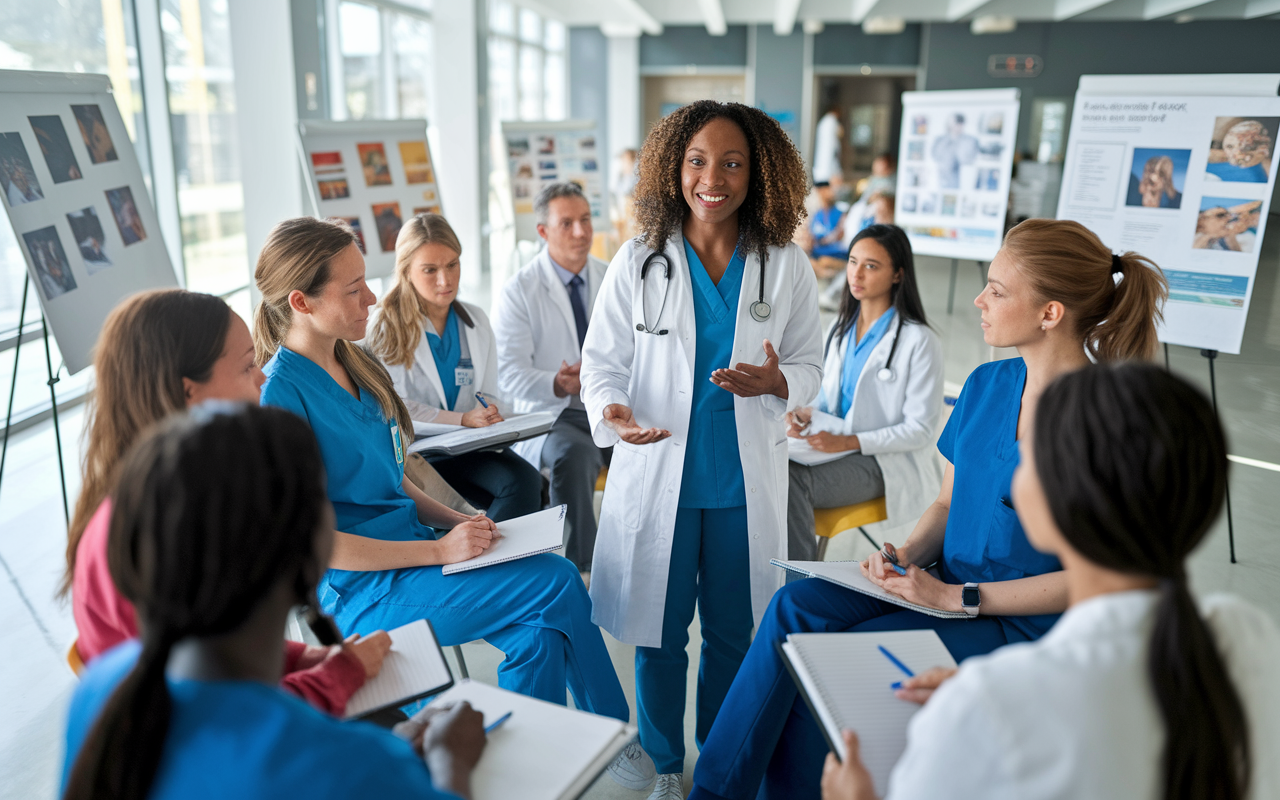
<point>1245,154</point>
<point>1052,294</point>
<point>220,525</point>
<point>827,253</point>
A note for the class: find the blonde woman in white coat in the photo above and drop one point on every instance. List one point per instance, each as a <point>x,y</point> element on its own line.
<point>441,354</point>
<point>883,376</point>
<point>688,369</point>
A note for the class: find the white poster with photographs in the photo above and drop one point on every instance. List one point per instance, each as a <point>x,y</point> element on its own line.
<point>1179,168</point>
<point>373,175</point>
<point>542,153</point>
<point>954,165</point>
<point>75,196</point>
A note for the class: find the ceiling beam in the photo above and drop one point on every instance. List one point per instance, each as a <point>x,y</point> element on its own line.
<point>1154,9</point>
<point>639,16</point>
<point>861,8</point>
<point>1066,9</point>
<point>713,16</point>
<point>1261,8</point>
<point>960,8</point>
<point>784,16</point>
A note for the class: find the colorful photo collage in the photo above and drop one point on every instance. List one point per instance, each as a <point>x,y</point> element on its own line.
<point>20,185</point>
<point>540,159</point>
<point>953,164</point>
<point>333,183</point>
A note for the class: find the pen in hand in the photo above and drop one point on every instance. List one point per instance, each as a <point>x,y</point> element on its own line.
<point>491,728</point>
<point>483,402</point>
<point>897,684</point>
<point>891,555</point>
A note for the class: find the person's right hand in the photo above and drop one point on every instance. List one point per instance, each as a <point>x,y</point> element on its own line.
<point>468,539</point>
<point>451,745</point>
<point>920,688</point>
<point>620,418</point>
<point>370,650</point>
<point>481,417</point>
<point>798,421</point>
<point>567,382</point>
<point>877,567</point>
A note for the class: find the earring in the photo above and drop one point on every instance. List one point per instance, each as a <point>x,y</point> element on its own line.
<point>1042,327</point>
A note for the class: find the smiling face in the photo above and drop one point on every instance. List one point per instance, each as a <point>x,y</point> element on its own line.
<point>234,376</point>
<point>716,172</point>
<point>434,272</point>
<point>1011,313</point>
<point>341,308</point>
<point>871,274</point>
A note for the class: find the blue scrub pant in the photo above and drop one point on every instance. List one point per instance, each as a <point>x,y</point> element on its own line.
<point>765,743</point>
<point>501,482</point>
<point>535,610</point>
<point>710,566</point>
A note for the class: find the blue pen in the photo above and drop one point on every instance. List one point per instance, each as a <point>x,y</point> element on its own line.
<point>897,684</point>
<point>891,556</point>
<point>495,725</point>
<point>480,397</point>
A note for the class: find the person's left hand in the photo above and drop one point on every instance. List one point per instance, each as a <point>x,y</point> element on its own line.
<point>848,780</point>
<point>748,380</point>
<point>921,588</point>
<point>826,442</point>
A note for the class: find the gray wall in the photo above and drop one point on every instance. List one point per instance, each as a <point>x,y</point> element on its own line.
<point>307,20</point>
<point>847,45</point>
<point>779,77</point>
<point>589,85</point>
<point>683,45</point>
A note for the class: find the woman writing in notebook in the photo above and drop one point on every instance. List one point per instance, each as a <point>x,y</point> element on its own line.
<point>441,355</point>
<point>1138,691</point>
<point>220,526</point>
<point>1053,294</point>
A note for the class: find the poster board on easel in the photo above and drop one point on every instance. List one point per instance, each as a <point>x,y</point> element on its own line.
<point>75,195</point>
<point>540,153</point>
<point>374,174</point>
<point>1181,169</point>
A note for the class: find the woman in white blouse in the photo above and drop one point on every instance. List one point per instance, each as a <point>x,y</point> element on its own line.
<point>1138,691</point>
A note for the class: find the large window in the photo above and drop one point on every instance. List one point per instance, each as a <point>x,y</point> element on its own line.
<point>383,60</point>
<point>526,64</point>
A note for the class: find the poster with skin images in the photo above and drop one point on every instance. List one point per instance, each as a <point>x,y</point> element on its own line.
<point>74,193</point>
<point>542,153</point>
<point>954,166</point>
<point>1179,168</point>
<point>373,175</point>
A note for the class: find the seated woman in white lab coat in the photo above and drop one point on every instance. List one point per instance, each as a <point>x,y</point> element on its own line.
<point>442,358</point>
<point>1139,690</point>
<point>882,377</point>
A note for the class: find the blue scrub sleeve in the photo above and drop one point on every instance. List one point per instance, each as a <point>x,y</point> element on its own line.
<point>947,441</point>
<point>284,394</point>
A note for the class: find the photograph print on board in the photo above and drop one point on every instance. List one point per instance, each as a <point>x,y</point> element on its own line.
<point>1157,176</point>
<point>431,209</point>
<point>53,273</point>
<point>387,219</point>
<point>417,166</point>
<point>1227,224</point>
<point>373,160</point>
<point>93,129</point>
<point>328,162</point>
<point>87,231</point>
<point>17,177</point>
<point>1241,149</point>
<point>128,220</point>
<point>56,147</point>
<point>354,224</point>
<point>336,189</point>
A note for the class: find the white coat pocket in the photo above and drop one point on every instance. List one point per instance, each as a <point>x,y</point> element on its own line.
<point>624,488</point>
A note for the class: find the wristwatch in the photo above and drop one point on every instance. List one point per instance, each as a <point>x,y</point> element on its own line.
<point>970,599</point>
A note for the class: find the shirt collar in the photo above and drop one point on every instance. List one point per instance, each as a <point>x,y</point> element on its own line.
<point>563,274</point>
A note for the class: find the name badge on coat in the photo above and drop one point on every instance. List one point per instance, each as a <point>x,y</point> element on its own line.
<point>396,442</point>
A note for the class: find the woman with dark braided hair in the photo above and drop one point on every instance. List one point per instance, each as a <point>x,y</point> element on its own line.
<point>703,336</point>
<point>1138,691</point>
<point>220,526</point>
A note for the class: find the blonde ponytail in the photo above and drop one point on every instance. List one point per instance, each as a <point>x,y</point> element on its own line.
<point>296,257</point>
<point>1065,261</point>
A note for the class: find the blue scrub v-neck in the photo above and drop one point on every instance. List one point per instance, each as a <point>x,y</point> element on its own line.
<point>856,353</point>
<point>446,351</point>
<point>712,464</point>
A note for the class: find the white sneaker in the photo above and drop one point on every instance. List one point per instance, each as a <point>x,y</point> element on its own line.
<point>669,787</point>
<point>633,768</point>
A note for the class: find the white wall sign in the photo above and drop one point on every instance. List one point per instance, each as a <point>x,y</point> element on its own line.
<point>76,199</point>
<point>1179,168</point>
<point>954,162</point>
<point>543,153</point>
<point>374,174</point>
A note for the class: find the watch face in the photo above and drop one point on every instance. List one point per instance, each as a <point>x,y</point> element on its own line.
<point>969,596</point>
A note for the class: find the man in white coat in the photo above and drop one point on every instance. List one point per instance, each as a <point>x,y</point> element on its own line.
<point>540,322</point>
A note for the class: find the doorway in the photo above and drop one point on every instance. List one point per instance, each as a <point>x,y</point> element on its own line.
<point>870,110</point>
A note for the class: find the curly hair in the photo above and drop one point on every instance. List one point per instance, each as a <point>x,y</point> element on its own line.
<point>775,195</point>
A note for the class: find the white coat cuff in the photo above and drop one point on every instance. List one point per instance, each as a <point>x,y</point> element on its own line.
<point>602,433</point>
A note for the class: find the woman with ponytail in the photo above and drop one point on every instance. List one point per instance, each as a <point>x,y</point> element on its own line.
<point>1059,296</point>
<point>386,566</point>
<point>1138,691</point>
<point>220,526</point>
<point>159,353</point>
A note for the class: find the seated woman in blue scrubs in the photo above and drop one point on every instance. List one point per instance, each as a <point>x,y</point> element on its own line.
<point>440,352</point>
<point>1052,293</point>
<point>883,377</point>
<point>220,525</point>
<point>385,571</point>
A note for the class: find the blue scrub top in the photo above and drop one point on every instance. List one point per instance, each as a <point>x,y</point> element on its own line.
<point>856,355</point>
<point>447,352</point>
<point>825,220</point>
<point>712,464</point>
<point>1230,172</point>
<point>245,740</point>
<point>984,540</point>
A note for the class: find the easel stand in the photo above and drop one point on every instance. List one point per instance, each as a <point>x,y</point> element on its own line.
<point>955,269</point>
<point>53,397</point>
<point>1212,355</point>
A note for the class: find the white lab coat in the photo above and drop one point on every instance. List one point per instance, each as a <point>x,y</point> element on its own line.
<point>896,420</point>
<point>826,148</point>
<point>653,375</point>
<point>419,384</point>
<point>535,332</point>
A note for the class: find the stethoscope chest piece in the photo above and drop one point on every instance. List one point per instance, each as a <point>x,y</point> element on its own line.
<point>760,311</point>
<point>885,374</point>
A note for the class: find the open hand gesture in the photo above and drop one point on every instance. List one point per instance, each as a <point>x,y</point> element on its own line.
<point>748,380</point>
<point>620,418</point>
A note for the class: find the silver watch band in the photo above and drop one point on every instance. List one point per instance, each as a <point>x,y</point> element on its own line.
<point>971,610</point>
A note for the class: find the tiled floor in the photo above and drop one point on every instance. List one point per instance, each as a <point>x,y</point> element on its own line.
<point>35,627</point>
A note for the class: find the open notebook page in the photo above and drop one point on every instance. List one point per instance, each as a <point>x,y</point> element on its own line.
<point>849,575</point>
<point>847,680</point>
<point>414,667</point>
<point>509,430</point>
<point>800,451</point>
<point>539,532</point>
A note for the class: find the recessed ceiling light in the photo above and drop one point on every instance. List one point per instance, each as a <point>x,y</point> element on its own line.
<point>992,23</point>
<point>877,26</point>
<point>1181,18</point>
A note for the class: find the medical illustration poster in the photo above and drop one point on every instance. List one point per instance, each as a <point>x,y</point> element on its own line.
<point>369,174</point>
<point>1179,169</point>
<point>955,165</point>
<point>74,193</point>
<point>543,153</point>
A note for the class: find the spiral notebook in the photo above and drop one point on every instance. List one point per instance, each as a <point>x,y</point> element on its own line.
<point>466,440</point>
<point>847,683</point>
<point>539,532</point>
<point>849,575</point>
<point>801,452</point>
<point>415,668</point>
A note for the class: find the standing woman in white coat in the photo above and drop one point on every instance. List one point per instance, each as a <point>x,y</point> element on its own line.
<point>883,376</point>
<point>441,354</point>
<point>704,335</point>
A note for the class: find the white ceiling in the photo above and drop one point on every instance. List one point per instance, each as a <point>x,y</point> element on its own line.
<point>625,17</point>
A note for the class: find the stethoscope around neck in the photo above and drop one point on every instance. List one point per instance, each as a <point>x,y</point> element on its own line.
<point>760,310</point>
<point>885,373</point>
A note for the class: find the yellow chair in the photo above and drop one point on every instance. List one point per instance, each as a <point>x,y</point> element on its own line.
<point>830,521</point>
<point>73,659</point>
<point>604,473</point>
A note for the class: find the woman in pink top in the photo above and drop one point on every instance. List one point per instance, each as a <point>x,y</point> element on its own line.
<point>160,352</point>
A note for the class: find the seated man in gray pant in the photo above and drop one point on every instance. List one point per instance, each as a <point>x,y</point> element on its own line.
<point>539,323</point>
